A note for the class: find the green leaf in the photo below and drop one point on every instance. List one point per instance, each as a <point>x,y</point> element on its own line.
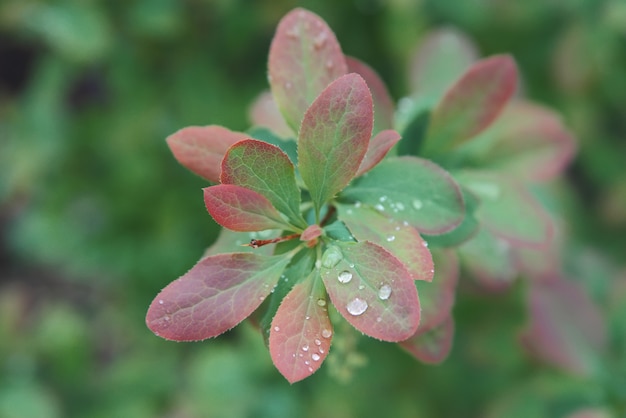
<point>401,240</point>
<point>334,137</point>
<point>434,345</point>
<point>338,231</point>
<point>265,169</point>
<point>371,289</point>
<point>304,58</point>
<point>301,331</point>
<point>466,230</point>
<point>413,190</point>
<point>378,147</point>
<point>219,292</point>
<point>414,133</point>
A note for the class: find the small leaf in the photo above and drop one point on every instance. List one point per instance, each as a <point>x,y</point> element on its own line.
<point>437,297</point>
<point>304,58</point>
<point>241,209</point>
<point>378,147</point>
<point>471,104</point>
<point>201,148</point>
<point>421,193</point>
<point>265,169</point>
<point>371,289</point>
<point>403,241</point>
<point>219,292</point>
<point>383,105</point>
<point>265,113</point>
<point>301,331</point>
<point>334,137</point>
<point>312,232</point>
<point>434,345</point>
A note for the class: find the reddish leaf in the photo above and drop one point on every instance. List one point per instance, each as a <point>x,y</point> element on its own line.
<point>201,148</point>
<point>437,297</point>
<point>401,240</point>
<point>471,104</point>
<point>565,329</point>
<point>434,345</point>
<point>264,112</point>
<point>378,147</point>
<point>334,137</point>
<point>219,292</point>
<point>265,169</point>
<point>304,58</point>
<point>301,330</point>
<point>241,209</point>
<point>312,232</point>
<point>371,289</point>
<point>383,105</point>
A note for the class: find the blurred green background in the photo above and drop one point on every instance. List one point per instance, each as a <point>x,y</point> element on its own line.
<point>96,216</point>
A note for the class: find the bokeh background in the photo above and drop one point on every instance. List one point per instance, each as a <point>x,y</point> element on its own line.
<point>96,216</point>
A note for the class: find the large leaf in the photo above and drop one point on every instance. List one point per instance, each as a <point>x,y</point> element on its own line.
<point>334,137</point>
<point>471,104</point>
<point>218,292</point>
<point>241,209</point>
<point>265,169</point>
<point>371,289</point>
<point>403,241</point>
<point>378,147</point>
<point>201,148</point>
<point>264,113</point>
<point>434,345</point>
<point>304,58</point>
<point>301,331</point>
<point>413,190</point>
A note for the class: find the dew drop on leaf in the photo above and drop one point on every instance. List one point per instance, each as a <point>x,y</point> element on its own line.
<point>321,302</point>
<point>305,347</point>
<point>384,292</point>
<point>160,301</point>
<point>326,333</point>
<point>276,329</point>
<point>317,342</point>
<point>356,306</point>
<point>315,357</point>
<point>391,238</point>
<point>332,256</point>
<point>344,277</point>
<point>417,204</point>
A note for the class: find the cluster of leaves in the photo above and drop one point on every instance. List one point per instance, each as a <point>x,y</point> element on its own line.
<point>339,218</point>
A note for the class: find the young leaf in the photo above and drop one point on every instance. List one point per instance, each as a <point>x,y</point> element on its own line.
<point>413,190</point>
<point>471,104</point>
<point>378,147</point>
<point>241,209</point>
<point>265,113</point>
<point>434,345</point>
<point>219,292</point>
<point>334,137</point>
<point>304,58</point>
<point>265,169</point>
<point>312,232</point>
<point>403,241</point>
<point>301,330</point>
<point>371,289</point>
<point>201,148</point>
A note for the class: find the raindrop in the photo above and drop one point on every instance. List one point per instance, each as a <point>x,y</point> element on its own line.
<point>317,342</point>
<point>318,264</point>
<point>332,256</point>
<point>357,204</point>
<point>321,350</point>
<point>379,207</point>
<point>417,204</point>
<point>307,317</point>
<point>307,362</point>
<point>161,302</point>
<point>310,369</point>
<point>397,228</point>
<point>351,265</point>
<point>379,319</point>
<point>321,302</point>
<point>326,333</point>
<point>356,306</point>
<point>320,40</point>
<point>400,206</point>
<point>382,199</point>
<point>361,287</point>
<point>345,276</point>
<point>305,347</point>
<point>276,329</point>
<point>391,238</point>
<point>166,318</point>
<point>315,357</point>
<point>384,292</point>
<point>349,211</point>
<point>424,243</point>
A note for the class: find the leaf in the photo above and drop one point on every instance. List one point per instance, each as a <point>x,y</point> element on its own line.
<point>338,231</point>
<point>218,292</point>
<point>201,148</point>
<point>378,147</point>
<point>403,241</point>
<point>265,169</point>
<point>383,105</point>
<point>466,230</point>
<point>241,209</point>
<point>411,189</point>
<point>230,241</point>
<point>471,104</point>
<point>371,289</point>
<point>288,146</point>
<point>304,58</point>
<point>566,329</point>
<point>434,345</point>
<point>334,137</point>
<point>312,232</point>
<point>301,331</point>
<point>265,113</point>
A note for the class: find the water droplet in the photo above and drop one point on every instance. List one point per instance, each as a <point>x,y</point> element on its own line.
<point>417,204</point>
<point>305,347</point>
<point>345,276</point>
<point>321,302</point>
<point>400,206</point>
<point>307,317</point>
<point>329,65</point>
<point>293,33</point>
<point>310,369</point>
<point>161,302</point>
<point>397,228</point>
<point>318,264</point>
<point>321,350</point>
<point>379,319</point>
<point>317,342</point>
<point>276,329</point>
<point>307,362</point>
<point>382,199</point>
<point>379,207</point>
<point>357,204</point>
<point>320,40</point>
<point>356,306</point>
<point>361,287</point>
<point>349,211</point>
<point>326,333</point>
<point>384,292</point>
<point>288,85</point>
<point>351,265</point>
<point>315,357</point>
<point>391,238</point>
<point>332,256</point>
<point>424,243</point>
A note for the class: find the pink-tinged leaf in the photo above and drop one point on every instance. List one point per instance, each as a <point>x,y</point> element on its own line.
<point>440,59</point>
<point>566,329</point>
<point>371,289</point>
<point>201,148</point>
<point>264,112</point>
<point>304,58</point>
<point>312,232</point>
<point>217,293</point>
<point>401,240</point>
<point>301,331</point>
<point>434,345</point>
<point>378,147</point>
<point>538,263</point>
<point>383,105</point>
<point>471,104</point>
<point>231,242</point>
<point>241,209</point>
<point>437,297</point>
<point>265,169</point>
<point>334,137</point>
